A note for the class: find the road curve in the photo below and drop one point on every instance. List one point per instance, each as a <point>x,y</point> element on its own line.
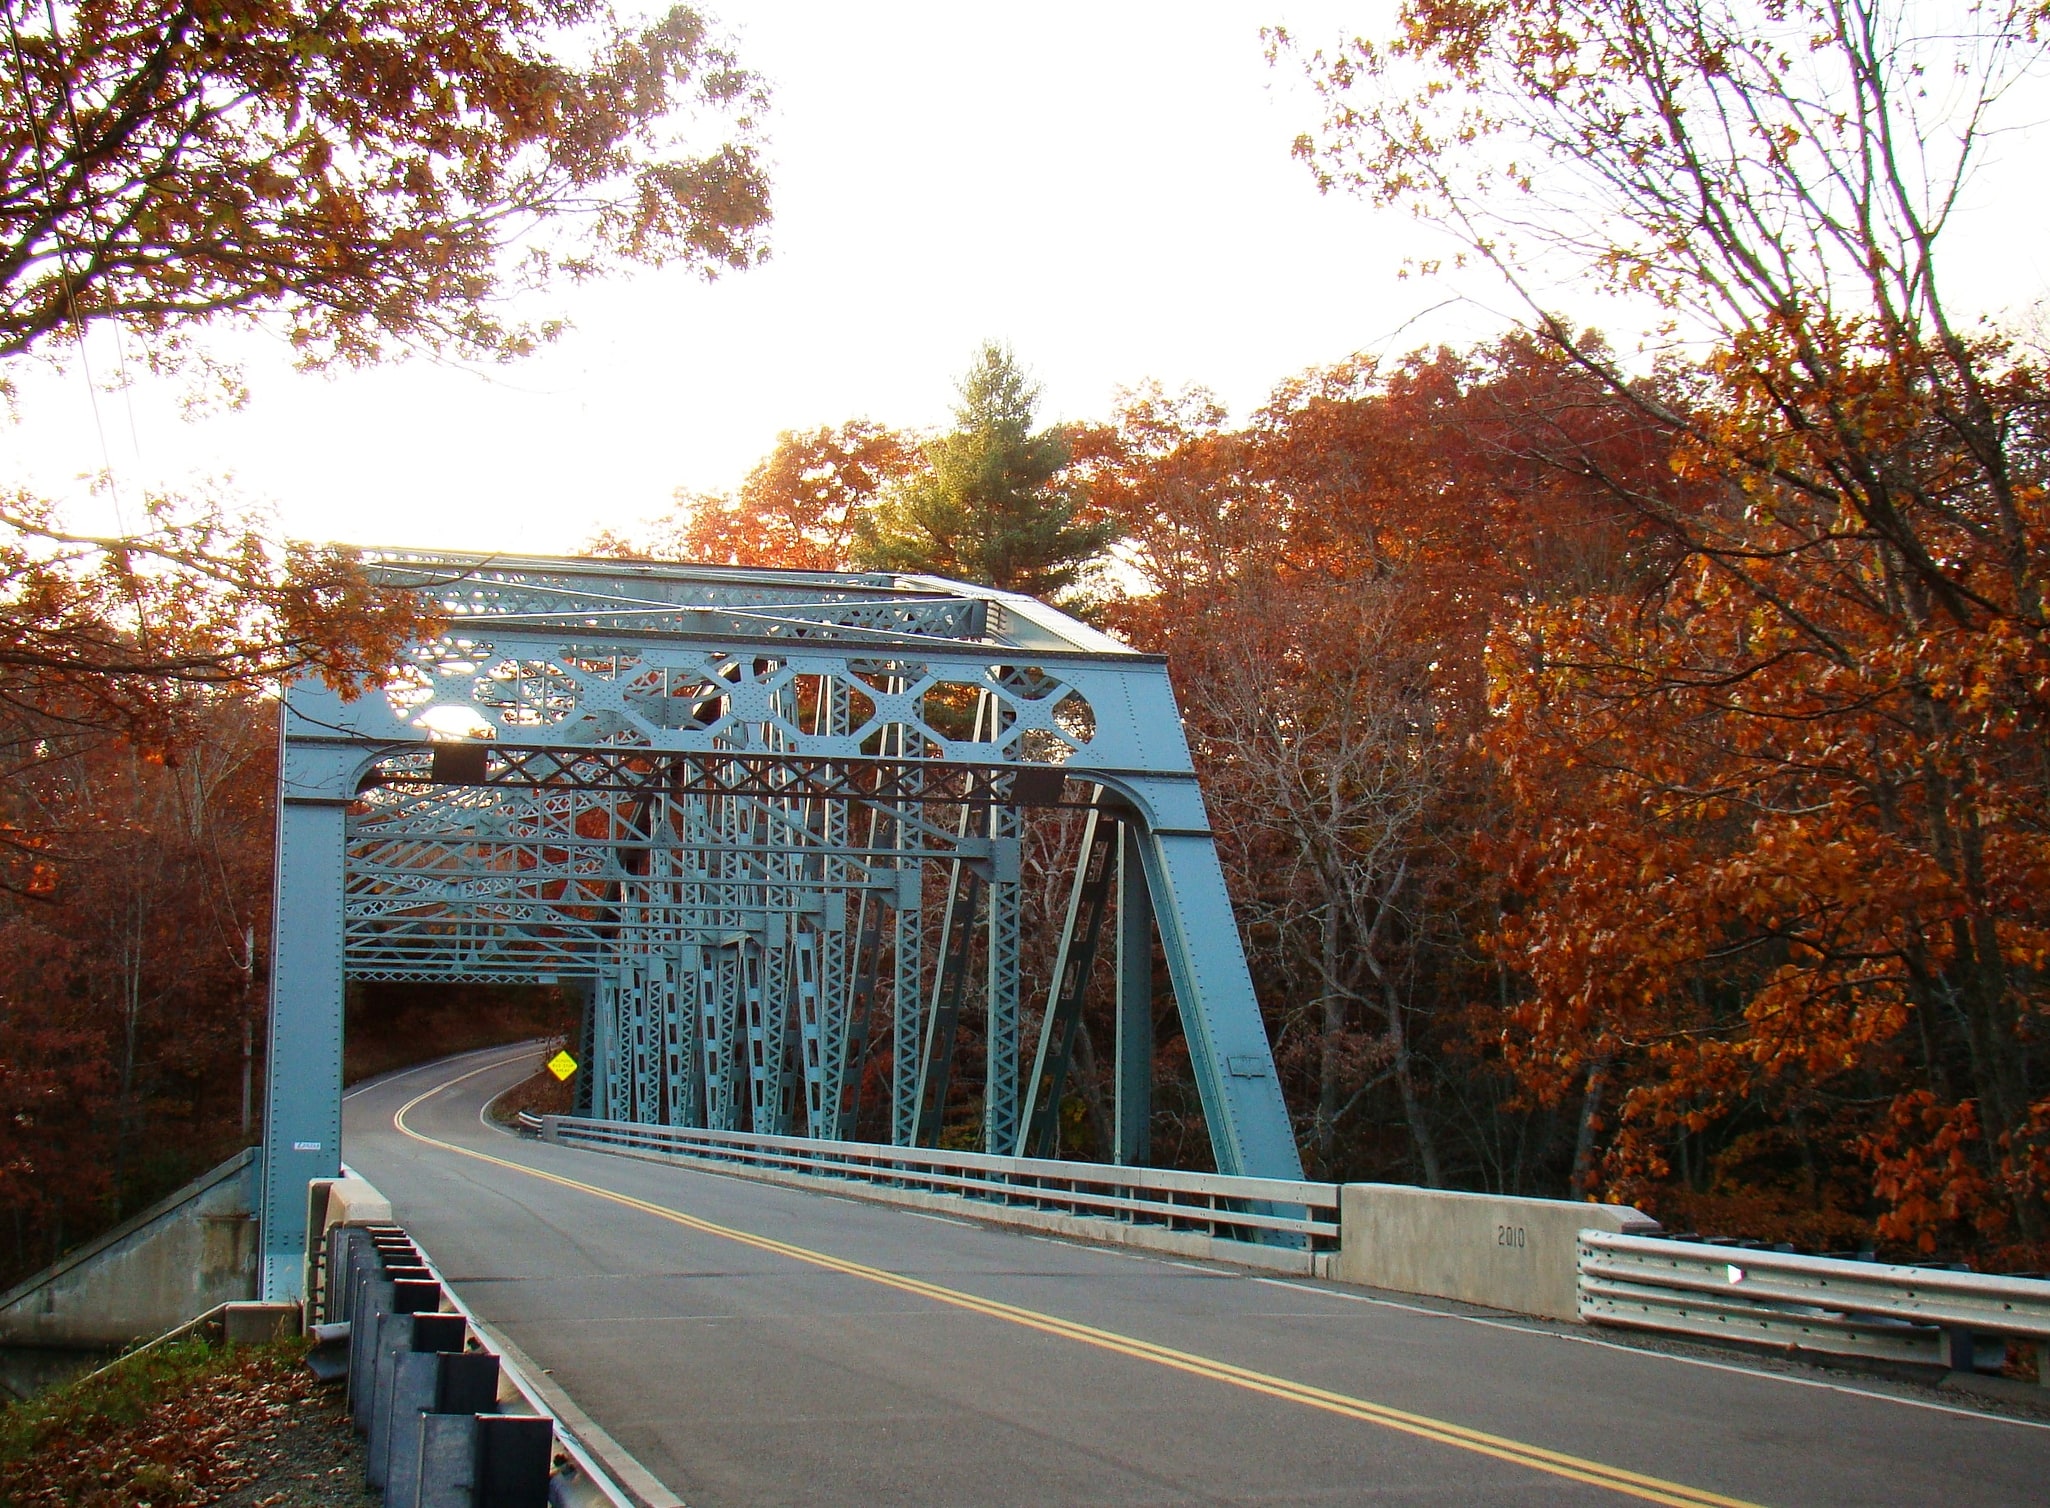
<point>753,1344</point>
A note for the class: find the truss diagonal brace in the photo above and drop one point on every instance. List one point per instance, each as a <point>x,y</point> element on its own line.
<point>1087,903</point>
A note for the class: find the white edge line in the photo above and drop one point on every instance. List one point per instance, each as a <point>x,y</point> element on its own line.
<point>580,1435</point>
<point>1125,1253</point>
<point>1689,1361</point>
<point>512,1049</point>
<point>1075,1243</point>
<point>484,1110</point>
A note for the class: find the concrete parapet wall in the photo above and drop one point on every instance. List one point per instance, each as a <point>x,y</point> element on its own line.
<point>179,1258</point>
<point>1515,1254</point>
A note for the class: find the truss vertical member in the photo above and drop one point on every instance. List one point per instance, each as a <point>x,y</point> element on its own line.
<point>1133,1111</point>
<point>705,801</point>
<point>1002,980</point>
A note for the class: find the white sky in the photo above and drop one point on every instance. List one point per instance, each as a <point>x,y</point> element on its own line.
<point>1107,186</point>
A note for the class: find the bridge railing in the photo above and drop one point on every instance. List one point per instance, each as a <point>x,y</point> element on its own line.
<point>1299,1216</point>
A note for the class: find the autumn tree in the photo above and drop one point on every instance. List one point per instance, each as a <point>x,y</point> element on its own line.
<point>991,503</point>
<point>1322,754</point>
<point>126,960</point>
<point>1324,579</point>
<point>115,637</point>
<point>364,185</point>
<point>797,509</point>
<point>1778,176</point>
<point>1184,491</point>
<point>366,180</point>
<point>1839,677</point>
<point>55,1076</point>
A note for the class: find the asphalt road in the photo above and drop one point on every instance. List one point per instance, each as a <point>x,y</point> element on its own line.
<point>752,1344</point>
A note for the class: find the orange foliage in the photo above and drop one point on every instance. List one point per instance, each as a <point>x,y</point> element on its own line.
<point>1782,834</point>
<point>1747,826</point>
<point>1324,581</point>
<point>118,638</point>
<point>796,509</point>
<point>387,181</point>
<point>1776,809</point>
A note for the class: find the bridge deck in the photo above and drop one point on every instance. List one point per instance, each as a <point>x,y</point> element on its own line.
<point>756,1344</point>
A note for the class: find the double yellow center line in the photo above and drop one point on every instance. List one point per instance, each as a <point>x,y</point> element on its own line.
<point>1554,1463</point>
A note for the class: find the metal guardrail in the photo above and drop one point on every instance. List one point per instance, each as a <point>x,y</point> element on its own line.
<point>1873,1309</point>
<point>452,1420</point>
<point>1267,1211</point>
<point>448,1421</point>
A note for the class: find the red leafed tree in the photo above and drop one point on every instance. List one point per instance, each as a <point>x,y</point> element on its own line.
<point>1324,581</point>
<point>1779,807</point>
<point>125,638</point>
<point>362,182</point>
<point>795,510</point>
<point>362,185</point>
<point>1783,853</point>
<point>55,1075</point>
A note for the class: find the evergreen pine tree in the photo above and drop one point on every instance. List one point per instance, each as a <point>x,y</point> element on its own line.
<point>991,505</point>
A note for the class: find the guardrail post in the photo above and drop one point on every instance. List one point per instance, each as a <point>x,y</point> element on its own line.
<point>400,1338</point>
<point>349,1249</point>
<point>422,1387</point>
<point>514,1456</point>
<point>446,1469</point>
<point>380,1290</point>
<point>443,1380</point>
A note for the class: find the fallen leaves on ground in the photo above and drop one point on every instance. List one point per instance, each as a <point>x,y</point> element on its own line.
<point>250,1429</point>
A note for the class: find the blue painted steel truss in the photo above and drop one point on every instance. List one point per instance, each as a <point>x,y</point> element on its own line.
<point>770,825</point>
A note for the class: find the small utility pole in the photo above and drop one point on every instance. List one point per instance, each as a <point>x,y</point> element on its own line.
<point>248,1022</point>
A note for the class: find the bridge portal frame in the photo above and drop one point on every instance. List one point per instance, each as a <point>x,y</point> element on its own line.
<point>709,798</point>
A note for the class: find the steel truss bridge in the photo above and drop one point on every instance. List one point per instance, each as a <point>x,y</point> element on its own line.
<point>770,825</point>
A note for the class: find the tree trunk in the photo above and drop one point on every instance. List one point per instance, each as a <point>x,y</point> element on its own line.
<point>1405,1080</point>
<point>1328,1086</point>
<point>1582,1183</point>
<point>1089,1084</point>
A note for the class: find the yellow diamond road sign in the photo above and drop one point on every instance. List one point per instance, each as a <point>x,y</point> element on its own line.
<point>562,1065</point>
